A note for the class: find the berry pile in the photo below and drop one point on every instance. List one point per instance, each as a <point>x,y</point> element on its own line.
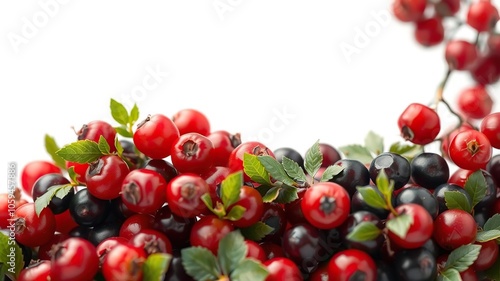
<point>168,198</point>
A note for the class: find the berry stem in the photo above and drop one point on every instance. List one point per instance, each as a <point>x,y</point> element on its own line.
<point>440,99</point>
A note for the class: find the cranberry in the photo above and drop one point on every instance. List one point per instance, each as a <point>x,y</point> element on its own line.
<point>32,229</point>
<point>97,128</point>
<point>419,124</point>
<point>409,10</point>
<point>352,264</point>
<point>470,150</point>
<point>33,170</point>
<point>420,230</point>
<point>105,176</point>
<point>482,15</point>
<point>134,224</point>
<point>190,120</point>
<point>155,135</point>
<point>74,259</point>
<point>251,200</point>
<point>152,241</point>
<point>475,102</point>
<point>208,231</point>
<point>235,163</point>
<point>124,262</point>
<point>281,268</point>
<point>460,54</point>
<point>429,31</point>
<point>184,193</point>
<point>192,153</point>
<point>490,127</point>
<point>326,205</point>
<point>454,228</point>
<point>143,191</point>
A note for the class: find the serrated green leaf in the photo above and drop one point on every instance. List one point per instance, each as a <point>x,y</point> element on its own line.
<point>9,248</point>
<point>73,176</point>
<point>63,191</point>
<point>313,159</point>
<point>384,185</point>
<point>103,146</point>
<point>200,263</point>
<point>492,223</point>
<point>249,270</point>
<point>457,200</point>
<point>275,169</point>
<point>364,231</point>
<point>208,201</point>
<point>487,235</point>
<point>44,200</point>
<point>357,152</point>
<point>256,231</point>
<point>51,147</point>
<point>230,189</point>
<point>286,194</point>
<point>123,131</point>
<point>134,115</point>
<point>374,143</point>
<point>293,169</point>
<point>450,274</point>
<point>119,112</point>
<point>399,225</point>
<point>372,197</point>
<point>476,186</point>
<point>82,151</point>
<point>271,194</point>
<point>231,252</point>
<point>331,171</point>
<point>462,257</point>
<point>155,266</point>
<point>235,213</point>
<point>255,170</point>
<point>407,151</point>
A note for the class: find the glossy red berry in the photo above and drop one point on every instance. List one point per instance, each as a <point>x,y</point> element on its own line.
<point>352,264</point>
<point>74,259</point>
<point>208,231</point>
<point>97,128</point>
<point>447,8</point>
<point>80,170</point>
<point>486,70</point>
<point>143,191</point>
<point>474,102</point>
<point>33,170</point>
<point>183,194</point>
<point>460,54</point>
<point>136,223</point>
<point>419,124</point>
<point>192,153</point>
<point>429,31</point>
<point>470,150</point>
<point>251,200</point>
<point>420,230</point>
<point>224,143</point>
<point>38,271</point>
<point>482,15</point>
<point>124,262</point>
<point>454,228</point>
<point>190,120</point>
<point>32,229</point>
<point>255,251</point>
<point>152,241</point>
<point>490,127</point>
<point>408,10</point>
<point>445,142</point>
<point>105,176</point>
<point>235,163</point>
<point>155,135</point>
<point>281,268</point>
<point>326,205</point>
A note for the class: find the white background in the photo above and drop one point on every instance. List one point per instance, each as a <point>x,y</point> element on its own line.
<point>60,65</point>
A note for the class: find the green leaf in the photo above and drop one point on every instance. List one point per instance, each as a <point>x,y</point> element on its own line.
<point>487,235</point>
<point>63,191</point>
<point>293,169</point>
<point>208,201</point>
<point>357,152</point>
<point>372,196</point>
<point>399,225</point>
<point>492,223</point>
<point>374,143</point>
<point>476,186</point>
<point>275,169</point>
<point>449,274</point>
<point>73,176</point>
<point>271,194</point>
<point>230,189</point>
<point>313,159</point>
<point>134,115</point>
<point>44,200</point>
<point>364,231</point>
<point>462,257</point>
<point>249,270</point>
<point>236,213</point>
<point>493,273</point>
<point>123,131</point>
<point>457,200</point>
<point>286,194</point>
<point>51,147</point>
<point>103,146</point>
<point>407,151</point>
<point>256,231</point>
<point>119,147</point>
<point>383,184</point>
<point>232,250</point>
<point>200,263</point>
<point>82,151</point>
<point>155,266</point>
<point>119,112</point>
<point>331,171</point>
<point>11,256</point>
<point>255,170</point>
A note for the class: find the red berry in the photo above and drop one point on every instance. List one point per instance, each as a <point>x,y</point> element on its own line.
<point>475,102</point>
<point>33,170</point>
<point>470,150</point>
<point>251,200</point>
<point>224,143</point>
<point>487,255</point>
<point>192,153</point>
<point>454,228</point>
<point>255,251</point>
<point>208,231</point>
<point>460,54</point>
<point>482,15</point>
<point>326,205</point>
<point>155,135</point>
<point>419,124</point>
<point>420,230</point>
<point>281,268</point>
<point>152,241</point>
<point>409,10</point>
<point>352,264</point>
<point>447,8</point>
<point>490,127</point>
<point>143,191</point>
<point>235,163</point>
<point>74,259</point>
<point>80,170</point>
<point>124,262</point>
<point>486,70</point>
<point>38,271</point>
<point>191,121</point>
<point>32,229</point>
<point>429,31</point>
<point>105,176</point>
<point>445,142</point>
<point>97,128</point>
<point>184,193</point>
<point>134,224</point>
